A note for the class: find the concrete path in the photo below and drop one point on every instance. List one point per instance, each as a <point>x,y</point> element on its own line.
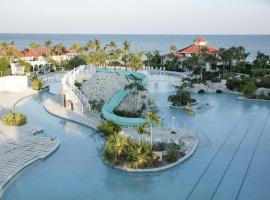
<point>60,111</point>
<point>8,99</point>
<point>19,148</point>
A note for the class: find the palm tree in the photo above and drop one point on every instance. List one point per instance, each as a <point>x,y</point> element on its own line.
<point>91,45</point>
<point>173,49</point>
<point>261,59</point>
<point>157,58</point>
<point>148,56</point>
<point>76,48</point>
<point>97,45</point>
<point>135,61</point>
<point>48,46</point>
<point>152,118</point>
<point>141,130</point>
<point>112,45</point>
<point>59,48</point>
<point>115,57</point>
<point>126,45</point>
<point>34,45</point>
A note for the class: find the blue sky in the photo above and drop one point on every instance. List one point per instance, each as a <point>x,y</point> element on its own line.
<point>135,16</point>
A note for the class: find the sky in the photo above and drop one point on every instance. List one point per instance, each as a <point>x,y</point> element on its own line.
<point>135,16</point>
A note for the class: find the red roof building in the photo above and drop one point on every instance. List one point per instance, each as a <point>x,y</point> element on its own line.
<point>196,48</point>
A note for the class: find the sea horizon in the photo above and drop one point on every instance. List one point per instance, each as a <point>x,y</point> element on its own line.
<point>147,42</point>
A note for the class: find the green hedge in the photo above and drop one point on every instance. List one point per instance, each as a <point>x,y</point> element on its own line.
<point>14,119</point>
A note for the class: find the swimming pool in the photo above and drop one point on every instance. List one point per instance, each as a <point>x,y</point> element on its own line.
<point>232,160</point>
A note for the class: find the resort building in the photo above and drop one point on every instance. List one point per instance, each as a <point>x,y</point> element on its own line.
<point>199,45</point>
<point>38,58</point>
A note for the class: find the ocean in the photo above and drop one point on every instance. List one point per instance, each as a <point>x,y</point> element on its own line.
<point>252,43</point>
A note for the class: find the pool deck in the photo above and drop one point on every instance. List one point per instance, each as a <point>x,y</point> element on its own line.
<point>9,99</point>
<point>19,146</point>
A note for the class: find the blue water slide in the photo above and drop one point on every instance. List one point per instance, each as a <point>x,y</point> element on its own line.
<point>107,111</point>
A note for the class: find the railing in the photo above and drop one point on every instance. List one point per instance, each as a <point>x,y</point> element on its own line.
<point>69,87</point>
<point>51,79</point>
<point>83,103</point>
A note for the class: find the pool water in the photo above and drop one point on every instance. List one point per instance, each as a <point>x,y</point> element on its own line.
<point>232,160</point>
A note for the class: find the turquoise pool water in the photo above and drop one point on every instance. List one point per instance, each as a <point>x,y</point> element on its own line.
<point>231,162</point>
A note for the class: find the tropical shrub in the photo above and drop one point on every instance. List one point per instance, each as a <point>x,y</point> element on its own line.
<point>175,151</point>
<point>249,89</point>
<point>14,119</point>
<point>36,84</point>
<point>122,151</point>
<point>109,128</point>
<point>78,84</point>
<point>181,99</point>
<point>4,64</point>
<point>75,62</point>
<point>95,105</point>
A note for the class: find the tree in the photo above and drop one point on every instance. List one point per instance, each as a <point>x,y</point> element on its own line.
<point>135,61</point>
<point>149,57</point>
<point>26,65</point>
<point>151,118</point>
<point>126,45</point>
<point>173,49</point>
<point>75,62</point>
<point>48,46</point>
<point>157,58</point>
<point>4,64</point>
<point>59,48</point>
<point>112,45</point>
<point>34,45</point>
<point>77,48</point>
<point>91,45</point>
<point>97,45</point>
<point>141,130</point>
<point>249,89</point>
<point>261,60</point>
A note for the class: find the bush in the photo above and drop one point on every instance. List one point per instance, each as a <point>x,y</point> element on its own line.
<point>181,99</point>
<point>249,89</point>
<point>36,84</point>
<point>14,119</point>
<point>78,84</point>
<point>175,151</point>
<point>109,128</point>
<point>122,151</point>
<point>75,62</point>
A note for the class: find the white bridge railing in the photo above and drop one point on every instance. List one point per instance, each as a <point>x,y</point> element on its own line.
<point>68,86</point>
<point>69,79</point>
<point>46,80</point>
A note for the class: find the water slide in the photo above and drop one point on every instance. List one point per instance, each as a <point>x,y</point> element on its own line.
<point>107,109</point>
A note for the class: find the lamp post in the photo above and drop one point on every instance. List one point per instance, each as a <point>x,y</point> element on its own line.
<point>173,118</point>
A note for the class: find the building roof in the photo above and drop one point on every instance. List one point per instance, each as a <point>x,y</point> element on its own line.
<point>199,44</point>
<point>34,53</point>
<point>42,52</point>
<point>199,39</point>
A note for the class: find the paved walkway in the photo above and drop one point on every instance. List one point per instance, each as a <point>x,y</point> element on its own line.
<point>19,148</point>
<point>58,110</point>
<point>8,99</point>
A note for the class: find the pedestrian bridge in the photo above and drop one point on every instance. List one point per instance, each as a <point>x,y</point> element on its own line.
<point>173,78</point>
